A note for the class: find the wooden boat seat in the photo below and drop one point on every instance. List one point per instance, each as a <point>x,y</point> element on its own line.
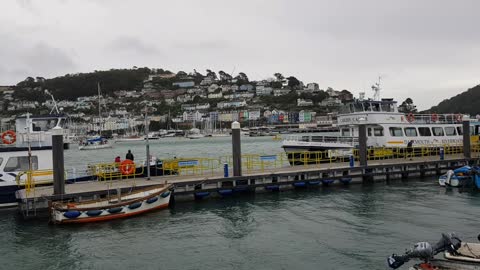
<point>468,252</point>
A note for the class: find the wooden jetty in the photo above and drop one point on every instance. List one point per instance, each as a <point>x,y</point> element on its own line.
<point>195,186</point>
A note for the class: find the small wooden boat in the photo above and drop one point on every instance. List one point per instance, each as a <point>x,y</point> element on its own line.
<point>131,204</point>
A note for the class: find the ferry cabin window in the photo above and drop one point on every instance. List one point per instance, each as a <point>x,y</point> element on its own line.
<point>378,131</point>
<point>376,107</point>
<point>20,164</point>
<point>424,131</point>
<point>358,107</point>
<point>367,106</point>
<point>438,131</point>
<point>386,107</point>
<point>459,131</point>
<point>369,132</point>
<point>396,132</point>
<point>345,132</point>
<point>410,132</point>
<point>450,131</point>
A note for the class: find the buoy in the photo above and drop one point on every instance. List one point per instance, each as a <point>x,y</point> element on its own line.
<point>299,184</point>
<point>327,182</point>
<point>272,187</point>
<point>225,192</point>
<point>127,167</point>
<point>201,195</point>
<point>345,180</point>
<point>313,183</point>
<point>9,137</point>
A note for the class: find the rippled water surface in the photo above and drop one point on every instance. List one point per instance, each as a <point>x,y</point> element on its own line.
<point>354,227</point>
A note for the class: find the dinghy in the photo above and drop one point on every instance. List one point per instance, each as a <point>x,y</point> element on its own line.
<point>121,206</point>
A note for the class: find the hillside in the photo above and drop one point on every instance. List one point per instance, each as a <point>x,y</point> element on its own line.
<point>466,102</point>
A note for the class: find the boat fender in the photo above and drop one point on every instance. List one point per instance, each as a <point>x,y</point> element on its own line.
<point>72,214</point>
<point>165,194</point>
<point>152,200</point>
<point>135,205</point>
<point>94,213</point>
<point>9,137</point>
<point>115,210</point>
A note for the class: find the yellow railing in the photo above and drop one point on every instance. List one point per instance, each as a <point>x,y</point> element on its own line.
<point>191,166</point>
<point>33,178</point>
<point>111,171</point>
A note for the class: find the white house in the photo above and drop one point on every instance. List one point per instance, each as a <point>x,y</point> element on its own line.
<point>280,92</point>
<point>304,102</point>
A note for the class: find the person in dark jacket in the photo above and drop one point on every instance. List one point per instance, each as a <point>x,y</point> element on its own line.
<point>410,149</point>
<point>129,155</point>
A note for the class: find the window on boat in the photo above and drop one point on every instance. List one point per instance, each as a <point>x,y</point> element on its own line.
<point>386,107</point>
<point>450,131</point>
<point>378,131</point>
<point>410,132</point>
<point>396,132</point>
<point>376,107</point>
<point>367,106</point>
<point>358,107</point>
<point>459,131</point>
<point>369,132</point>
<point>438,131</point>
<point>1,161</point>
<point>345,132</point>
<point>20,164</point>
<point>424,131</point>
<point>476,130</point>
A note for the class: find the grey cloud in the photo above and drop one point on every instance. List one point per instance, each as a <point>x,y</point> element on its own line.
<point>131,44</point>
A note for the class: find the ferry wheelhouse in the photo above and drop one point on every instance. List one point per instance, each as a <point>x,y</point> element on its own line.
<point>386,128</point>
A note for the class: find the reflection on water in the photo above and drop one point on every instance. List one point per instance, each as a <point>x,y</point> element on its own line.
<point>353,227</point>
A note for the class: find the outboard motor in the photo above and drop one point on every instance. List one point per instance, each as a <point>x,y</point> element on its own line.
<point>424,251</point>
<point>450,173</point>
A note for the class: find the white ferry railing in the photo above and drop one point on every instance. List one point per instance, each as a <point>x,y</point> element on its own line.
<point>324,139</point>
<point>434,118</point>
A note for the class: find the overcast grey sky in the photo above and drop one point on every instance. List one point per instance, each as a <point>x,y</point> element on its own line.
<point>424,49</point>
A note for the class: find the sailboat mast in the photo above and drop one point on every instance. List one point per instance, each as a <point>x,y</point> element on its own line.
<point>99,108</point>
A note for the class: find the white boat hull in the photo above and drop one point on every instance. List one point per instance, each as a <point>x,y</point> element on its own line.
<point>94,146</point>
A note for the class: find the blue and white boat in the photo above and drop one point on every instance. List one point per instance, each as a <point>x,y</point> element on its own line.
<point>460,177</point>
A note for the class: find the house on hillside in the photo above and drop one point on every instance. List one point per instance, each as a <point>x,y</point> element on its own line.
<point>280,92</point>
<point>184,84</point>
<point>304,102</point>
<point>262,90</point>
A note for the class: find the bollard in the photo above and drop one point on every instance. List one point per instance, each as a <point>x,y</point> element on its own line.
<point>442,153</point>
<point>236,151</point>
<point>352,161</point>
<point>466,138</point>
<point>225,170</point>
<point>362,144</point>
<point>58,161</point>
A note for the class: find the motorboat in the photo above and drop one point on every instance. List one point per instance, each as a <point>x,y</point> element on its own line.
<point>120,206</point>
<point>95,144</point>
<point>457,254</point>
<point>459,177</point>
<point>129,139</point>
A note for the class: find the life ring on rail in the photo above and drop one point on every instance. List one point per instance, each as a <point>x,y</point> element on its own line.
<point>458,117</point>
<point>127,167</point>
<point>434,117</point>
<point>9,137</point>
<point>410,117</point>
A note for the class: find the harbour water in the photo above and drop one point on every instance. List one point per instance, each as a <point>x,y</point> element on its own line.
<point>167,148</point>
<point>354,227</point>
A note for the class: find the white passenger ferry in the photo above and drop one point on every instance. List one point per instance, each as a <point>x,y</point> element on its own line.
<point>32,133</point>
<point>386,127</point>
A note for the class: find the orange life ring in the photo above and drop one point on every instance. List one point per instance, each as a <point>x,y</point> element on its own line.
<point>459,117</point>
<point>434,117</point>
<point>410,117</point>
<point>127,167</point>
<point>9,137</point>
